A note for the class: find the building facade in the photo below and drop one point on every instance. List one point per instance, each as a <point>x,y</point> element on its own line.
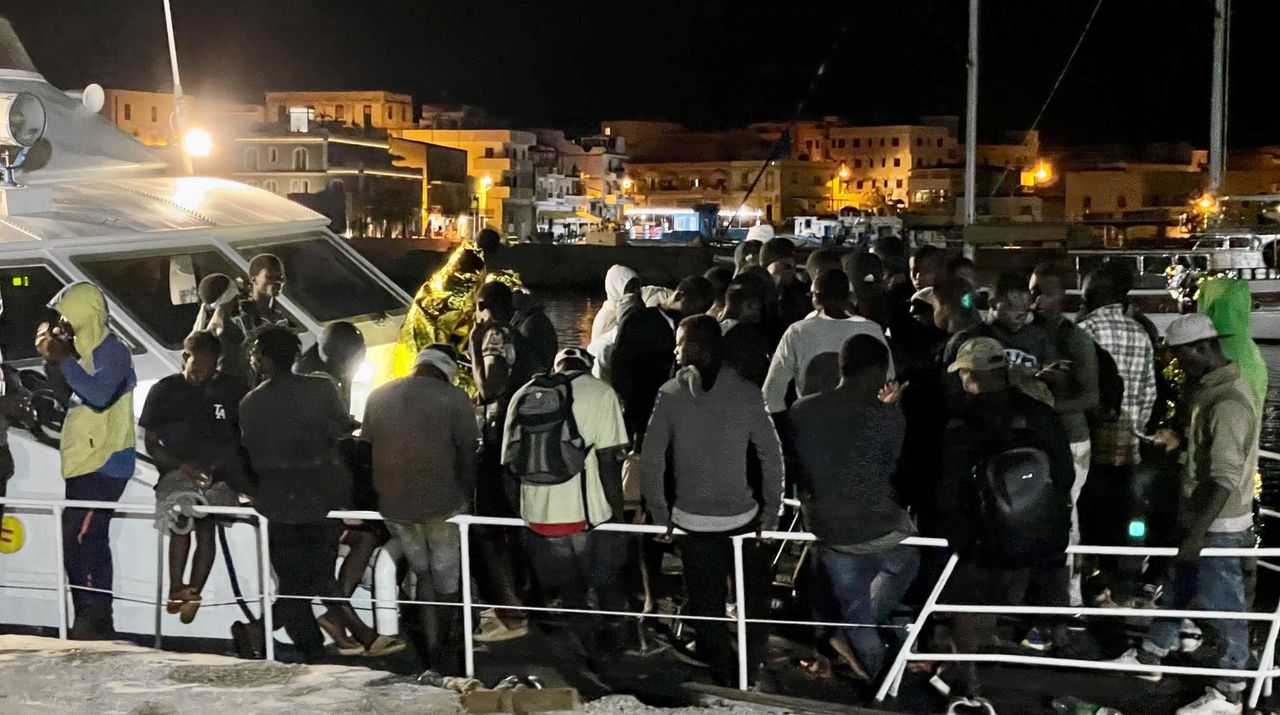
<point>500,167</point>
<point>372,109</point>
<point>146,116</point>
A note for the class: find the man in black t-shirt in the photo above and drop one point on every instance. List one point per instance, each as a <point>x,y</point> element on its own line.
<point>191,428</point>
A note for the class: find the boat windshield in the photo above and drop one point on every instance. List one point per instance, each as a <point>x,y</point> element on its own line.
<point>324,280</point>
<point>13,56</point>
<point>158,288</point>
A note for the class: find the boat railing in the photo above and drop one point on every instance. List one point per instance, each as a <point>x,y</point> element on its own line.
<point>1261,678</point>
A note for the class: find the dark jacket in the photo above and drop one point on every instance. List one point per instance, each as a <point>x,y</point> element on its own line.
<point>975,435</point>
<point>643,359</point>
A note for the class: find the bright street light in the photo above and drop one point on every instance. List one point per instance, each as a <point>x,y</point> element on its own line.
<point>197,143</point>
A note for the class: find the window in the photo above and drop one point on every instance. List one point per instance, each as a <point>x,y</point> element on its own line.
<point>841,143</point>
<point>155,114</point>
<point>857,163</point>
<point>768,182</point>
<point>695,182</point>
<point>1122,202</point>
<point>404,112</point>
<point>270,185</point>
<point>251,158</point>
<point>299,186</point>
<point>488,152</point>
<point>282,114</point>
<point>27,291</point>
<point>898,183</point>
<point>368,115</point>
<point>939,143</point>
<point>859,184</point>
<point>857,143</point>
<point>919,141</point>
<point>300,159</point>
<point>128,112</point>
<point>140,283</point>
<point>807,145</point>
<point>273,155</point>
<point>882,162</point>
<point>1087,203</point>
<point>873,183</point>
<point>897,161</point>
<point>339,112</point>
<point>881,141</point>
<point>895,141</point>
<point>391,111</point>
<point>325,281</point>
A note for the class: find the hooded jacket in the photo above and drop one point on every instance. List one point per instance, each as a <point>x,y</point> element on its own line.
<point>98,433</point>
<point>1228,303</point>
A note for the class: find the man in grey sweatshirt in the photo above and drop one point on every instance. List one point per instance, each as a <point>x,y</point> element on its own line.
<point>708,416</point>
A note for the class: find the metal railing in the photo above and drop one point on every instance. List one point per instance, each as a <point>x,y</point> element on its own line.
<point>1262,676</point>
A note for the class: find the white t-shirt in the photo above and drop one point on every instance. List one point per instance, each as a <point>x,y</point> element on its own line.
<point>568,508</point>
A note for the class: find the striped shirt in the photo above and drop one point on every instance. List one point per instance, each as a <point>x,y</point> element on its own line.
<point>1129,345</point>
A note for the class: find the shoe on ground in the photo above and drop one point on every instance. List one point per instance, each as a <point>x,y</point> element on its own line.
<point>1037,640</point>
<point>385,645</point>
<point>1213,702</point>
<point>971,706</point>
<point>1136,656</point>
<point>493,630</point>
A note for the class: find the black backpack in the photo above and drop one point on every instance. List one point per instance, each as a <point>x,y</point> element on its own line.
<point>544,446</point>
<point>1110,386</point>
<point>1024,515</point>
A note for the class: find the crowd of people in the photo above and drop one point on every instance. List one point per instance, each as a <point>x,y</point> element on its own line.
<point>892,395</point>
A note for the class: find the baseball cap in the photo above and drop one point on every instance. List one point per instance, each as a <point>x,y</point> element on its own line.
<point>578,354</point>
<point>1192,328</point>
<point>437,358</point>
<point>979,354</point>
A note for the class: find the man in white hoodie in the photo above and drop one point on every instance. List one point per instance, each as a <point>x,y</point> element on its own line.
<point>623,295</point>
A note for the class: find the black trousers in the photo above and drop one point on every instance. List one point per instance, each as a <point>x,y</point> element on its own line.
<point>1108,502</point>
<point>303,556</point>
<point>708,566</point>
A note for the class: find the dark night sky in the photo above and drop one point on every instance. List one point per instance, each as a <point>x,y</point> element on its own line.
<point>1141,76</point>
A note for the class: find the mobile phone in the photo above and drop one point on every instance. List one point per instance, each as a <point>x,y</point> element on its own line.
<point>1144,437</point>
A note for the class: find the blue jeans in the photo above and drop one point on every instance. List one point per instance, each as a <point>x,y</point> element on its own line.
<point>1213,583</point>
<point>867,588</point>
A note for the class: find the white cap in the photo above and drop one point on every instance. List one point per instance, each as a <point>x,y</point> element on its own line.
<point>1192,328</point>
<point>438,359</point>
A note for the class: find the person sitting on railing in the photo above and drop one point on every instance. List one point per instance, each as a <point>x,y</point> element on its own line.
<point>92,371</point>
<point>709,417</point>
<point>1221,442</point>
<point>1004,499</point>
<point>290,427</point>
<point>191,428</point>
<point>423,432</point>
<point>845,446</point>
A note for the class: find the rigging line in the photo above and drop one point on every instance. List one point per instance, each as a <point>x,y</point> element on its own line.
<point>786,132</point>
<point>1056,83</point>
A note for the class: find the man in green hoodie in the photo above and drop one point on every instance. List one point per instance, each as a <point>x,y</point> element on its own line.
<point>1228,304</point>
<point>98,454</point>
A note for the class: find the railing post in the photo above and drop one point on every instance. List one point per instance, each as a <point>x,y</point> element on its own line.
<point>159,585</point>
<point>1266,661</point>
<point>894,673</point>
<point>61,569</point>
<point>268,625</point>
<point>740,586</point>
<point>464,545</point>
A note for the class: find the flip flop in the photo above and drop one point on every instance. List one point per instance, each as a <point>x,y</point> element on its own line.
<point>385,645</point>
<point>345,644</point>
<point>187,611</point>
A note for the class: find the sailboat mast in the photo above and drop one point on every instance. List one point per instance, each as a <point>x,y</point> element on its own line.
<point>1218,98</point>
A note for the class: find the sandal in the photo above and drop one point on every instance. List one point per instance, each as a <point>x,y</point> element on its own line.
<point>187,611</point>
<point>178,597</point>
<point>385,645</point>
<point>345,644</point>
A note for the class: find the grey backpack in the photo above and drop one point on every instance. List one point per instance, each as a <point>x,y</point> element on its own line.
<point>544,447</point>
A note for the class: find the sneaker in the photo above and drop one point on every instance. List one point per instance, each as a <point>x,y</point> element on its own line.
<point>1137,656</point>
<point>1212,702</point>
<point>1190,637</point>
<point>1037,640</point>
<point>493,630</point>
<point>974,706</point>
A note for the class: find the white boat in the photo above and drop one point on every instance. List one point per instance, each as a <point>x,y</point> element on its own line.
<point>1164,278</point>
<point>95,205</point>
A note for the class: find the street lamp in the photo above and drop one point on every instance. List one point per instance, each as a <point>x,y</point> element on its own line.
<point>197,143</point>
<point>842,175</point>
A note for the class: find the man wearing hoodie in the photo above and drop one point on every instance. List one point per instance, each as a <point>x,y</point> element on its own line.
<point>623,296</point>
<point>98,440</point>
<point>708,417</point>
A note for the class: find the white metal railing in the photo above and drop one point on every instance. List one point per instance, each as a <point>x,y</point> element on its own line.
<point>1263,675</point>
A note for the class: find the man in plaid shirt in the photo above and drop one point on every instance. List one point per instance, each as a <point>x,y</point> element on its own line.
<point>1109,493</point>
